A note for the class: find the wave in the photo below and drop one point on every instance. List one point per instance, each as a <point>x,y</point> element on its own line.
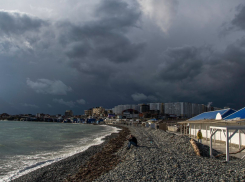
<point>29,163</point>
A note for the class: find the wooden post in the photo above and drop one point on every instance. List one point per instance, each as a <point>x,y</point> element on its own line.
<point>227,145</point>
<point>194,131</point>
<point>185,128</point>
<point>239,139</point>
<point>206,132</point>
<point>189,129</point>
<point>212,133</point>
<point>211,154</point>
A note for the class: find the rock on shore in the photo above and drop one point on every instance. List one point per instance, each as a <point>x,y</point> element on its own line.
<point>164,156</point>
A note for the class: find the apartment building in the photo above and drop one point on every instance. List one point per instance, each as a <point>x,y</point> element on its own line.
<point>88,112</point>
<point>68,113</point>
<point>97,111</point>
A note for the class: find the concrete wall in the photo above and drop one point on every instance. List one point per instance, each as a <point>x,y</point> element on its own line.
<point>172,128</point>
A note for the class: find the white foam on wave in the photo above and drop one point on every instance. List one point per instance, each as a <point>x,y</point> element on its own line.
<point>29,163</point>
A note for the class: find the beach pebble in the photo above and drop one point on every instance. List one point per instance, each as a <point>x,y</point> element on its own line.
<point>164,156</point>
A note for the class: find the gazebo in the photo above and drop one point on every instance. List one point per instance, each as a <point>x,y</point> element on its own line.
<point>226,130</point>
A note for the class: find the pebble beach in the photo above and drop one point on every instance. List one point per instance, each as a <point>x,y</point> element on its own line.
<point>160,156</point>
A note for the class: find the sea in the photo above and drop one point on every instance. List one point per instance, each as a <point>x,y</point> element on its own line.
<point>26,146</point>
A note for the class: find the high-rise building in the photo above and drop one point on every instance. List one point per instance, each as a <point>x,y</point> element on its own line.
<point>120,108</point>
<point>157,107</point>
<point>144,108</point>
<point>180,109</point>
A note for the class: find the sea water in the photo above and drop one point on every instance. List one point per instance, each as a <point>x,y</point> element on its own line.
<point>26,146</point>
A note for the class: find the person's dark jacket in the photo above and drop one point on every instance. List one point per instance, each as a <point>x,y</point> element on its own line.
<point>133,139</point>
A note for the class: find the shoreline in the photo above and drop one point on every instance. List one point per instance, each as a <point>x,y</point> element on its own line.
<point>160,156</point>
<point>60,170</point>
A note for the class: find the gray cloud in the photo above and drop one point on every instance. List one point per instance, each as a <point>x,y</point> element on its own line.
<point>139,97</point>
<point>104,38</point>
<point>30,105</point>
<point>239,20</point>
<point>182,63</point>
<point>81,101</point>
<point>70,104</point>
<point>14,22</point>
<point>46,86</point>
<point>120,52</point>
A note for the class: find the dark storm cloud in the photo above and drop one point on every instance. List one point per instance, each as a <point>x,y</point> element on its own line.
<point>181,63</point>
<point>104,38</point>
<point>18,23</point>
<point>239,20</point>
<point>199,74</point>
<point>120,52</point>
<point>237,23</point>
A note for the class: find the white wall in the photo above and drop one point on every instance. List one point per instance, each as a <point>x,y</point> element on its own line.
<point>219,135</point>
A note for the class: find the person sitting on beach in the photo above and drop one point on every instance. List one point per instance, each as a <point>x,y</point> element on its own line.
<point>199,136</point>
<point>131,140</point>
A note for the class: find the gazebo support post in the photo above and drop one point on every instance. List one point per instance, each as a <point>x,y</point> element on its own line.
<point>239,139</point>
<point>212,133</point>
<point>227,145</point>
<point>206,132</point>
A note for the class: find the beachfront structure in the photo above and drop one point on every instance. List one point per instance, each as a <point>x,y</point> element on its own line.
<point>240,114</point>
<point>229,133</point>
<point>220,118</point>
<point>212,114</point>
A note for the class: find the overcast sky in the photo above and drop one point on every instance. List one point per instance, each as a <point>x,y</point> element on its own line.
<point>77,54</point>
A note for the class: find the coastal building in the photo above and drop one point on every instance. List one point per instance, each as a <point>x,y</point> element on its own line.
<point>180,109</point>
<point>40,115</point>
<point>68,113</point>
<point>120,108</point>
<point>157,107</point>
<point>144,108</point>
<point>219,118</point>
<point>238,115</point>
<point>185,109</point>
<point>88,112</point>
<point>97,111</point>
<point>130,114</point>
<point>109,111</point>
<point>136,107</point>
<point>4,116</point>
